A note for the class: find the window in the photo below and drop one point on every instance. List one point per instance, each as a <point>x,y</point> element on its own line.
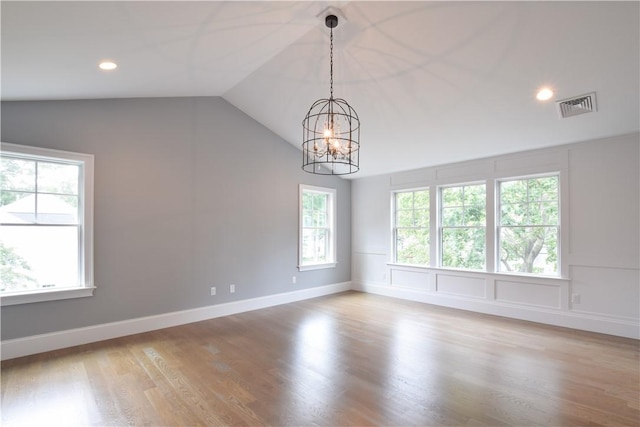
<point>46,219</point>
<point>462,226</point>
<point>528,228</point>
<point>411,227</point>
<point>317,228</point>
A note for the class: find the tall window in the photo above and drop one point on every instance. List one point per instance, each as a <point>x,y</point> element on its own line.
<point>529,225</point>
<point>45,215</point>
<point>463,226</point>
<point>411,227</point>
<point>317,228</point>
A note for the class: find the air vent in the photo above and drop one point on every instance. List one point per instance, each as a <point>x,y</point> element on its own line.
<point>577,105</point>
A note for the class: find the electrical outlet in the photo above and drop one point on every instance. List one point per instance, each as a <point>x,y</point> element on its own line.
<point>213,290</point>
<point>293,279</point>
<point>232,288</point>
<point>575,298</point>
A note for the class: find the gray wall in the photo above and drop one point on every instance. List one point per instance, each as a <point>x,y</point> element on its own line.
<point>189,193</point>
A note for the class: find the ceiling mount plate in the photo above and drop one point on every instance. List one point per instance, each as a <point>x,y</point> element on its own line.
<point>324,15</point>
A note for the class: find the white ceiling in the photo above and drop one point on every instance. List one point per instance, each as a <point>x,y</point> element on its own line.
<point>432,82</point>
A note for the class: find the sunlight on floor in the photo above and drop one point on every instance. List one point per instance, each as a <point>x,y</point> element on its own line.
<point>67,405</point>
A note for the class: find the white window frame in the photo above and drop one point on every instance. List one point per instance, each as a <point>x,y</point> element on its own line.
<point>394,225</point>
<point>85,244</point>
<point>499,226</point>
<point>331,221</point>
<point>441,227</point>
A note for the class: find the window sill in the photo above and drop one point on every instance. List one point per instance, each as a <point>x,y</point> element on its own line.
<point>479,272</point>
<point>530,275</point>
<point>317,266</point>
<point>45,295</point>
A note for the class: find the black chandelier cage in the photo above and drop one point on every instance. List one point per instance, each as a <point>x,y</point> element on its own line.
<point>331,131</point>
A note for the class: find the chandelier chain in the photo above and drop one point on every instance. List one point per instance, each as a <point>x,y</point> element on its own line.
<point>331,64</point>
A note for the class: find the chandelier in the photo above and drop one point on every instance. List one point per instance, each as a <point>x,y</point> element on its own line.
<point>331,131</point>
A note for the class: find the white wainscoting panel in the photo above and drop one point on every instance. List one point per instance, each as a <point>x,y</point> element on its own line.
<point>603,324</point>
<point>475,287</point>
<point>529,293</point>
<point>612,292</point>
<point>409,279</point>
<point>369,267</point>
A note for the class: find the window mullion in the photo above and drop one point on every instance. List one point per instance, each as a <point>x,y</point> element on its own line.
<point>434,219</point>
<point>491,236</point>
<point>36,198</point>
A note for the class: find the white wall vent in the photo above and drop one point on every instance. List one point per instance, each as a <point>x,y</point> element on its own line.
<point>577,105</point>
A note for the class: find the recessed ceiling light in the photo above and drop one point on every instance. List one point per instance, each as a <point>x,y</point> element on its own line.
<point>108,65</point>
<point>544,94</point>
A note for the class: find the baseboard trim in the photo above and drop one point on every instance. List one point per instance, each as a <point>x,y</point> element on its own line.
<point>26,346</point>
<point>585,322</point>
<point>19,347</point>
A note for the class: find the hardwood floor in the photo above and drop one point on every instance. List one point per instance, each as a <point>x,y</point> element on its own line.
<point>347,359</point>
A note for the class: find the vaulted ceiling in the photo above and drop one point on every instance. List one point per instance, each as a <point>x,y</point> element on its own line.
<point>432,82</point>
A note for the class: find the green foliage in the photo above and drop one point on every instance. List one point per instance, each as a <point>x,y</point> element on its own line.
<point>14,270</point>
<point>18,179</point>
<point>463,226</point>
<point>463,248</point>
<point>412,246</point>
<point>314,209</point>
<point>314,245</point>
<point>529,249</point>
<point>47,183</point>
<point>412,227</point>
<point>528,219</point>
<point>529,215</point>
<point>16,176</point>
<point>57,178</point>
<point>315,233</point>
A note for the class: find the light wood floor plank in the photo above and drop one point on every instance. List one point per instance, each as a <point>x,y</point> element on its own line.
<point>351,359</point>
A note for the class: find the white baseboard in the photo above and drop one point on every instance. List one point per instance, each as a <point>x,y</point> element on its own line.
<point>19,347</point>
<point>586,322</point>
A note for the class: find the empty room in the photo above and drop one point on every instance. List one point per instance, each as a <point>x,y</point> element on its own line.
<point>320,213</point>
